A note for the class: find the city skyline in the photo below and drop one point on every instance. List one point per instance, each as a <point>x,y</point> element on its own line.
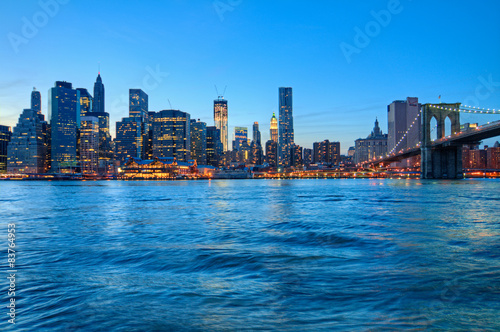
<point>338,91</point>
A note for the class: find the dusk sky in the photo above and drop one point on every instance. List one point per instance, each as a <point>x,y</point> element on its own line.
<point>178,50</point>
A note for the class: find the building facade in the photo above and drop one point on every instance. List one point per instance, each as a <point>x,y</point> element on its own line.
<point>214,146</point>
<point>36,101</point>
<point>240,137</point>
<point>172,135</point>
<point>285,125</point>
<point>5,136</point>
<point>326,152</point>
<point>273,131</point>
<point>98,103</point>
<point>89,145</point>
<point>64,115</point>
<point>221,118</point>
<point>27,149</point>
<point>85,102</point>
<point>272,153</point>
<point>199,142</point>
<point>128,141</point>
<point>375,145</point>
<point>138,104</point>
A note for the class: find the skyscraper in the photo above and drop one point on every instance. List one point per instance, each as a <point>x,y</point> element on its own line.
<point>89,144</point>
<point>5,135</point>
<point>199,142</point>
<point>64,115</point>
<point>172,135</point>
<point>274,129</point>
<point>400,117</point>
<point>36,101</point>
<point>138,104</point>
<point>272,153</point>
<point>214,146</point>
<point>240,137</point>
<point>256,134</point>
<point>285,127</point>
<point>26,150</point>
<point>220,118</point>
<point>85,102</point>
<point>128,141</point>
<point>98,105</point>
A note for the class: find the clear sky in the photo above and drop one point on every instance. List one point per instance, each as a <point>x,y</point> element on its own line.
<point>177,50</point>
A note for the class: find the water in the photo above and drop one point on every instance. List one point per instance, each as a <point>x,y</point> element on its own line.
<point>301,255</point>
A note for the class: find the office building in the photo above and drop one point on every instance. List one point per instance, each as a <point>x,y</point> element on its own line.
<point>285,126</point>
<point>296,155</point>
<point>401,115</point>
<point>214,146</point>
<point>240,137</point>
<point>272,153</point>
<point>27,147</point>
<point>89,145</point>
<point>172,135</point>
<point>326,152</point>
<point>199,142</point>
<point>220,118</point>
<point>308,153</point>
<point>64,115</point>
<point>256,134</point>
<point>138,104</point>
<point>85,102</point>
<point>5,136</point>
<point>36,101</point>
<point>128,141</point>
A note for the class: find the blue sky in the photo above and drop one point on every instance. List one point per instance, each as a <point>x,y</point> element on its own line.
<point>421,48</point>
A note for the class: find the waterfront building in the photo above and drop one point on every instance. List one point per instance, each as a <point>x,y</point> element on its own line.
<point>157,168</point>
<point>199,142</point>
<point>221,119</point>
<point>89,145</point>
<point>373,146</point>
<point>308,153</point>
<point>36,101</point>
<point>64,115</point>
<point>286,137</point>
<point>296,154</point>
<point>272,153</point>
<point>5,136</point>
<point>27,149</point>
<point>128,141</point>
<point>105,151</point>
<point>493,156</point>
<point>85,102</point>
<point>274,129</point>
<point>214,146</point>
<point>98,102</point>
<point>326,152</point>
<point>172,135</point>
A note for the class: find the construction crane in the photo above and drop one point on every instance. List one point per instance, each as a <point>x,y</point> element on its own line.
<point>220,96</point>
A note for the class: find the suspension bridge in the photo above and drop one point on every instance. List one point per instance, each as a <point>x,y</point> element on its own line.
<point>441,158</point>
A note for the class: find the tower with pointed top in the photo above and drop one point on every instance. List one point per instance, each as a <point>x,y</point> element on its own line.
<point>274,129</point>
<point>98,103</point>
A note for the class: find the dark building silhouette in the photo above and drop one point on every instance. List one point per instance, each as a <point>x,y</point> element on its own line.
<point>98,104</point>
<point>214,146</point>
<point>36,101</point>
<point>5,136</point>
<point>199,142</point>
<point>272,153</point>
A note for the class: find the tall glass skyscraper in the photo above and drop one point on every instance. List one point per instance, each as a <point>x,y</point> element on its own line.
<point>256,134</point>
<point>172,135</point>
<point>85,102</point>
<point>89,144</point>
<point>240,137</point>
<point>199,142</point>
<point>285,127</point>
<point>214,146</point>
<point>138,104</point>
<point>98,104</point>
<point>128,142</point>
<point>64,115</point>
<point>220,118</point>
<point>36,101</point>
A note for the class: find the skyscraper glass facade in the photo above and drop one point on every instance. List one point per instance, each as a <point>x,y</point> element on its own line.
<point>220,118</point>
<point>285,126</point>
<point>172,135</point>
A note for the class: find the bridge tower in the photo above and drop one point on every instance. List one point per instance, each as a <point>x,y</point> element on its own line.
<point>444,161</point>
